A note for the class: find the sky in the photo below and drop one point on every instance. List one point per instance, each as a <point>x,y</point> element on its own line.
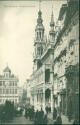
<point>18,20</point>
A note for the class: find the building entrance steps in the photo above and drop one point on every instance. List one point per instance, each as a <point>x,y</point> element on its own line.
<point>64,119</point>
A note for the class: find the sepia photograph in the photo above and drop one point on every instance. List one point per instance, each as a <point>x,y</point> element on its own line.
<point>39,62</point>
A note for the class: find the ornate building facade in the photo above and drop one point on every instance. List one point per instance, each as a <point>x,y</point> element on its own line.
<point>42,78</point>
<point>8,87</point>
<point>66,60</point>
<point>55,78</point>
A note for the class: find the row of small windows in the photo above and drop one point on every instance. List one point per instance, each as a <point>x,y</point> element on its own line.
<point>3,83</point>
<point>8,91</point>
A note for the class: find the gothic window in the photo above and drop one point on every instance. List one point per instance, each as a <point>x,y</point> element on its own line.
<point>40,35</point>
<point>38,51</point>
<point>41,50</point>
<point>37,34</point>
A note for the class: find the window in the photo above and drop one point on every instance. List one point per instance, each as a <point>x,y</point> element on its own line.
<point>0,100</point>
<point>3,83</point>
<point>40,35</point>
<point>15,91</point>
<point>0,83</point>
<point>37,35</point>
<point>3,91</point>
<point>0,91</point>
<point>7,91</point>
<point>15,84</point>
<point>38,51</point>
<point>47,75</point>
<point>15,100</point>
<point>12,91</point>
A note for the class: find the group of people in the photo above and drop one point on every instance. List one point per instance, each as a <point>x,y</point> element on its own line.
<point>29,113</point>
<point>38,117</point>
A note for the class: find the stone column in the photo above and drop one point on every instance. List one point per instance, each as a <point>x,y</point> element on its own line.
<point>52,84</point>
<point>44,88</point>
<point>51,100</point>
<point>44,99</point>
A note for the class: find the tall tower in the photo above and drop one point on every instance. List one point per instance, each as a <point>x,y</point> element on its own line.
<point>39,41</point>
<point>52,32</point>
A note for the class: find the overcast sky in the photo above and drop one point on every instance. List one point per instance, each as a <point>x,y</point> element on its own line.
<point>17,32</point>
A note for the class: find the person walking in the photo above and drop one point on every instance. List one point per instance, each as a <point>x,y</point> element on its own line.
<point>36,118</point>
<point>46,109</point>
<point>59,120</point>
<point>41,116</point>
<point>54,113</point>
<point>45,119</point>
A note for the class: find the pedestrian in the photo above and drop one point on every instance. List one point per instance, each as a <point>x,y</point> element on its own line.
<point>59,120</point>
<point>46,109</point>
<point>41,114</point>
<point>54,113</point>
<point>45,119</point>
<point>76,121</point>
<point>36,118</point>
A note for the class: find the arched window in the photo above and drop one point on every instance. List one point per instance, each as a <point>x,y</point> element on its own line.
<point>41,50</point>
<point>40,35</point>
<point>37,34</point>
<point>38,51</point>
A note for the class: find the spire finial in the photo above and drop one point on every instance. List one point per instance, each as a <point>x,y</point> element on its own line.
<point>52,17</point>
<point>39,4</point>
<point>52,7</point>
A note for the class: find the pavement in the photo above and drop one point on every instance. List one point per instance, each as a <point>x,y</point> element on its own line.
<point>21,120</point>
<point>64,120</point>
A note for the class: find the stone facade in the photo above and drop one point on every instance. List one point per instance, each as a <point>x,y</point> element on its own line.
<point>41,80</point>
<point>56,62</point>
<point>8,87</point>
<point>66,60</point>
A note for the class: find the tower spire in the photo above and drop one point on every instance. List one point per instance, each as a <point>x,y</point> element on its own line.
<point>39,5</point>
<point>52,18</point>
<point>52,32</point>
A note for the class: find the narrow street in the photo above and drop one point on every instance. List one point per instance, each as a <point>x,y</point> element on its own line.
<point>20,120</point>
